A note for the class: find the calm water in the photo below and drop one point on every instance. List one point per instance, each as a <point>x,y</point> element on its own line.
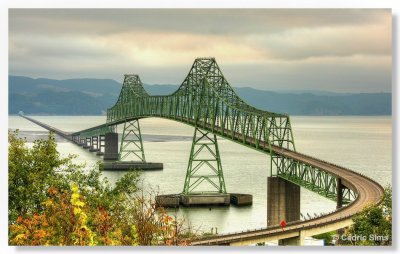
<point>363,144</point>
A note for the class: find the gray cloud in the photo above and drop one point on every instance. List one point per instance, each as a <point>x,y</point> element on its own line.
<point>329,49</point>
<point>212,21</point>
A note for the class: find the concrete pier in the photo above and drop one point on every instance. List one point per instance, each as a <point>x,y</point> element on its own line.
<point>95,144</point>
<point>283,201</point>
<point>127,165</point>
<point>206,199</point>
<point>101,145</point>
<point>168,201</point>
<point>111,146</point>
<point>339,188</point>
<point>241,199</point>
<point>292,241</point>
<point>86,143</point>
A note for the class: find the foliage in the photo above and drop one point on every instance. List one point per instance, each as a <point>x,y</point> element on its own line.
<point>327,237</point>
<point>373,226</point>
<point>52,201</point>
<point>31,172</point>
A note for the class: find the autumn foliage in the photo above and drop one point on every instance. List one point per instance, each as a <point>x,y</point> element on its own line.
<point>55,202</point>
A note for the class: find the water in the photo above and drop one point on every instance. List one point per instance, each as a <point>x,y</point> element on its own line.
<point>360,143</point>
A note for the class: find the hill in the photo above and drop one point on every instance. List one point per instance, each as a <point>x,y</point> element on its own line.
<point>93,97</point>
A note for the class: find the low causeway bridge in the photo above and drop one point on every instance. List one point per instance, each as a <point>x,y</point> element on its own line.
<point>206,101</point>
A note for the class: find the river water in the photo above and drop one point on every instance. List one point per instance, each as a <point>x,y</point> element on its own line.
<point>363,144</point>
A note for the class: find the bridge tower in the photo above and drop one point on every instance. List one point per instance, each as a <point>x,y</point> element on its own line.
<point>204,165</point>
<point>131,143</point>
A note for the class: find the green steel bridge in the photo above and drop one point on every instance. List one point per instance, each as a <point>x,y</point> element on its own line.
<point>206,101</point>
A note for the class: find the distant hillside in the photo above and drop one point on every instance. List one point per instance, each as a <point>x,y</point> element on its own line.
<point>94,96</point>
<point>312,104</point>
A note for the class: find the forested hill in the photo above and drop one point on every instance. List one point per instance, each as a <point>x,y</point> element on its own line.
<point>93,96</point>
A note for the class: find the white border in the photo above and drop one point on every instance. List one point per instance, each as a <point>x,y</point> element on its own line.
<point>5,4</point>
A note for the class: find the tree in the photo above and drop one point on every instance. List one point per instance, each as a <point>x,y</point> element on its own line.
<point>52,201</point>
<point>373,226</point>
<point>31,171</point>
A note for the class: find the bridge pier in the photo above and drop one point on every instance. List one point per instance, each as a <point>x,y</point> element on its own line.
<point>293,241</point>
<point>95,144</point>
<point>339,201</point>
<point>111,156</point>
<point>87,143</point>
<point>283,201</point>
<point>111,146</point>
<point>339,187</point>
<point>102,141</point>
<point>81,141</point>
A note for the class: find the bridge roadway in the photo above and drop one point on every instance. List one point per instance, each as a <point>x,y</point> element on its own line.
<point>368,192</point>
<point>61,133</point>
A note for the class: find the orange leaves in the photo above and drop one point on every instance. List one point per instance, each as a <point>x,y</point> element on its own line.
<point>39,234</point>
<point>19,239</point>
<point>69,218</point>
<point>29,231</point>
<point>52,191</point>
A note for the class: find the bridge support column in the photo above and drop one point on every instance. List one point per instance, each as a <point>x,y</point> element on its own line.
<point>81,141</point>
<point>87,142</point>
<point>283,201</point>
<point>293,241</point>
<point>131,143</point>
<point>204,165</point>
<point>339,201</point>
<point>111,146</point>
<point>95,144</point>
<point>339,189</point>
<point>102,141</point>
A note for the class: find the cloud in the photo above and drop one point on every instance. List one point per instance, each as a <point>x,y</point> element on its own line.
<point>329,49</point>
<point>204,21</point>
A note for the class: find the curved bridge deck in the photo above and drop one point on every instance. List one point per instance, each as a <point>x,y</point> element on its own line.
<point>368,192</point>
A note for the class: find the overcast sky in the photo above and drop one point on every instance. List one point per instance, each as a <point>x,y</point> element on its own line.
<point>283,49</point>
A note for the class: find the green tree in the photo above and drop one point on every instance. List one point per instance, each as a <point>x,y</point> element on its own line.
<point>53,201</point>
<point>31,171</point>
<point>373,226</point>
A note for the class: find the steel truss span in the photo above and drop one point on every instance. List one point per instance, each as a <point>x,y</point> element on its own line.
<point>206,101</point>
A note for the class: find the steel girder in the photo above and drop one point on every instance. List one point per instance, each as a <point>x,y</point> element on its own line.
<point>311,178</point>
<point>95,131</point>
<point>205,100</point>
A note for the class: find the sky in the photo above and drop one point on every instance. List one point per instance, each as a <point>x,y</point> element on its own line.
<point>338,50</point>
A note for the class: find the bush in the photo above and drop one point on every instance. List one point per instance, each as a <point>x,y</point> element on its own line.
<point>53,201</point>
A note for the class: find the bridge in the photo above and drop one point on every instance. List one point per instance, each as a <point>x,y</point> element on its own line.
<point>206,101</point>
